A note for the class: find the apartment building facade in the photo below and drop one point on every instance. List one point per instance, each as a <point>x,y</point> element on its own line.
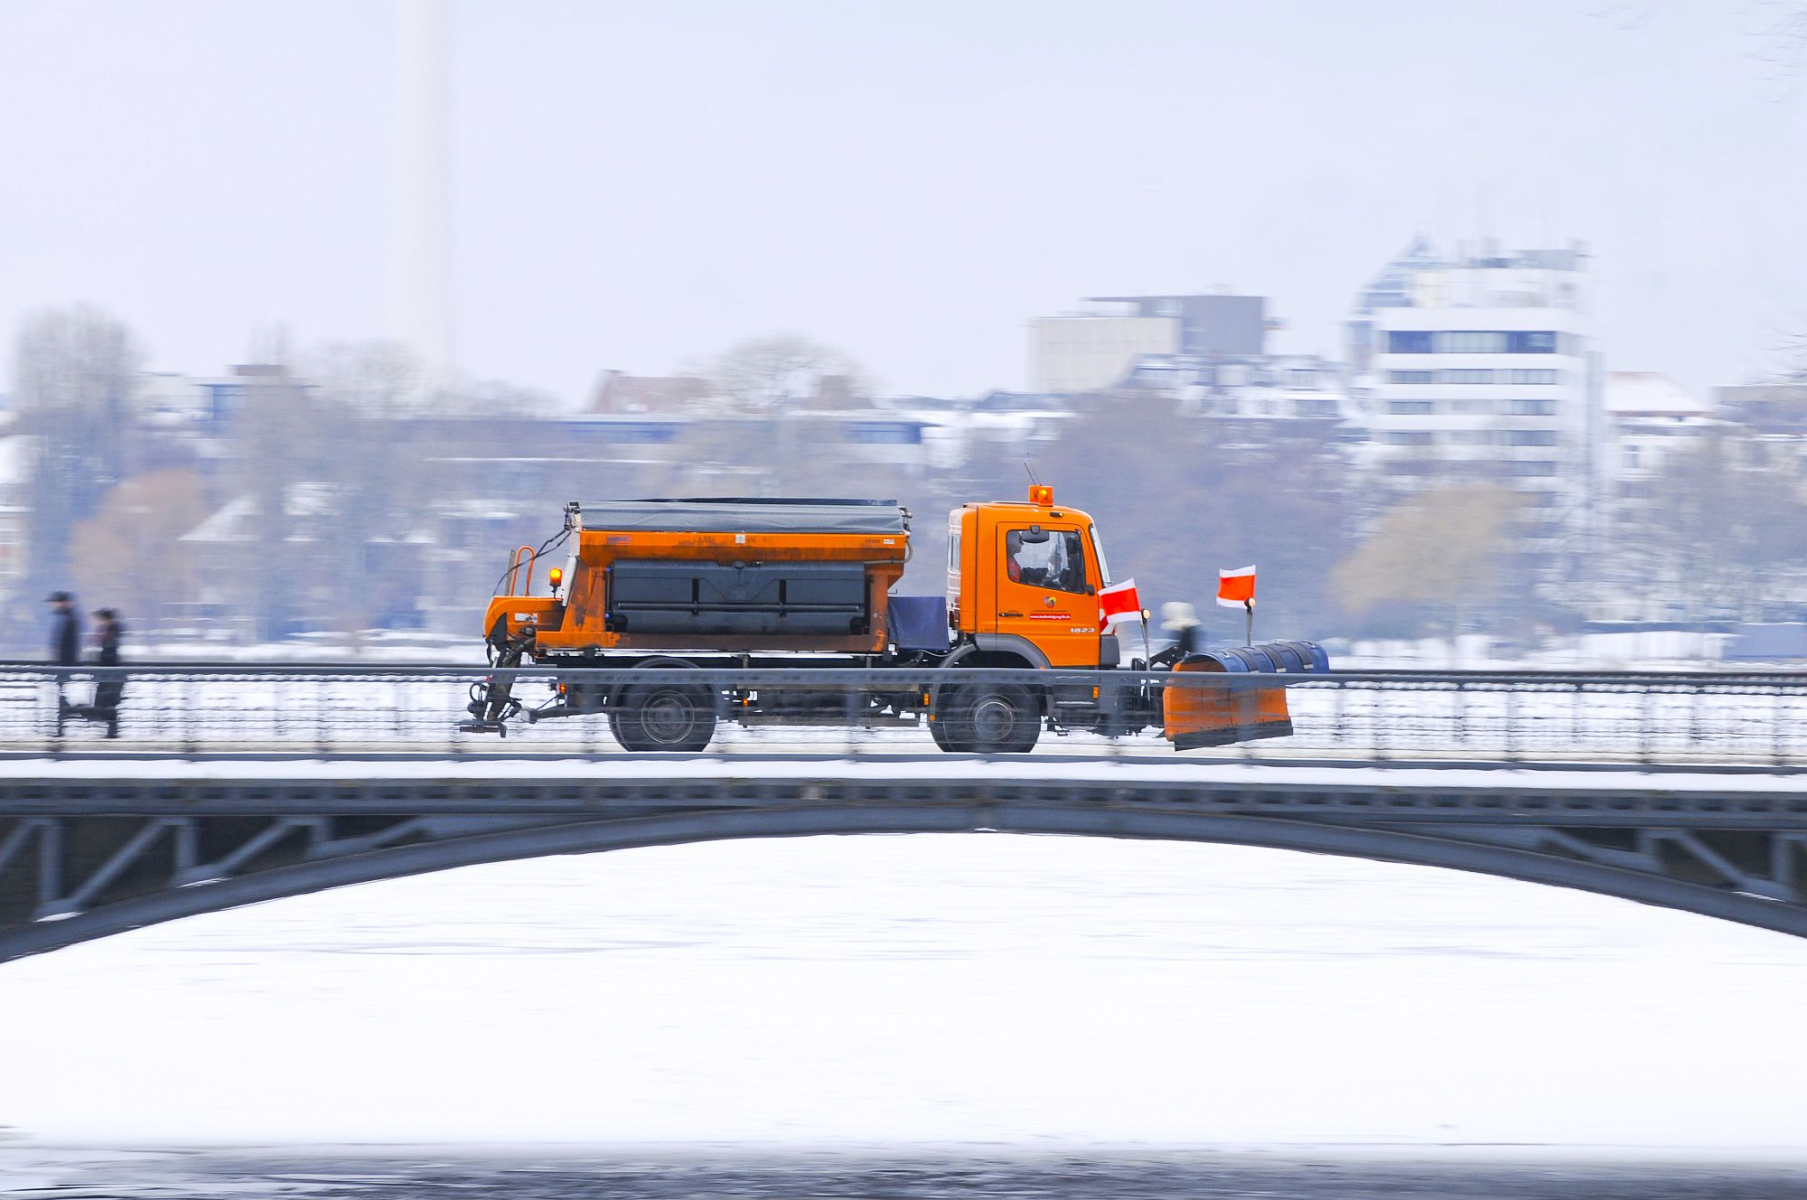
<point>1489,374</point>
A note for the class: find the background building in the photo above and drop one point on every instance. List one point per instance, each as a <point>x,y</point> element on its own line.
<point>1391,287</point>
<point>1488,374</point>
<point>1092,352</point>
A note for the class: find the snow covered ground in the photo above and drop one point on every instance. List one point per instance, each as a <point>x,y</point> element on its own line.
<point>949,989</point>
<point>1645,650</point>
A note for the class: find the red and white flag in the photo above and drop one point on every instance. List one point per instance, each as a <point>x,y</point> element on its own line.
<point>1119,602</point>
<point>1236,589</point>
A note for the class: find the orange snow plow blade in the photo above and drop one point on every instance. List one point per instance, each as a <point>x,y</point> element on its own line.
<point>1243,706</point>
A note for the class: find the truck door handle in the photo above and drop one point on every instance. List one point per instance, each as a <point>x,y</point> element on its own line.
<point>1010,614</point>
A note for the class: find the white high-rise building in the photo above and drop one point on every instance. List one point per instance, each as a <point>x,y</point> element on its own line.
<point>1488,374</point>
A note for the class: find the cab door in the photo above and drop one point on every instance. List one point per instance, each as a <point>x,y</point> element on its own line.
<point>1047,590</point>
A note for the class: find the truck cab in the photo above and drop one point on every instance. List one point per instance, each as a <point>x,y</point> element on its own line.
<point>1023,578</point>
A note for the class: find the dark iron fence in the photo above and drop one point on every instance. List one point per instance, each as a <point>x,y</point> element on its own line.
<point>355,711</point>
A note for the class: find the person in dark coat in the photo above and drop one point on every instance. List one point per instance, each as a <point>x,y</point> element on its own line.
<point>65,645</point>
<point>65,631</point>
<point>1181,620</point>
<point>109,685</point>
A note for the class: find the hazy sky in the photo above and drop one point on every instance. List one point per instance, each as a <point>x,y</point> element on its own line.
<point>636,185</point>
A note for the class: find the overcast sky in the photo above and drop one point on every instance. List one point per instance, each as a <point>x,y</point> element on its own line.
<point>636,185</point>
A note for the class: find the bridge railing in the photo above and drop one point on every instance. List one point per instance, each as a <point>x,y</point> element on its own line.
<point>359,711</point>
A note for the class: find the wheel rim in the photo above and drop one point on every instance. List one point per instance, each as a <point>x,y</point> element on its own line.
<point>994,720</point>
<point>668,717</point>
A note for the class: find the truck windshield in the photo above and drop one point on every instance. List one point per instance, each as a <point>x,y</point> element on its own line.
<point>1104,572</point>
<point>1053,559</point>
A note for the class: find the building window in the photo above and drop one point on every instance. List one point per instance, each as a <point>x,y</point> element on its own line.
<point>1633,457</point>
<point>1411,438</point>
<point>1468,376</point>
<point>1531,437</point>
<point>1470,341</point>
<point>1302,378</point>
<point>1411,377</point>
<point>1532,470</point>
<point>1411,408</point>
<point>1537,377</point>
<point>1476,341</point>
<point>1531,408</point>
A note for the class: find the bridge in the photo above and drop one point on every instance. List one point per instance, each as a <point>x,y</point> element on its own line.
<point>1672,790</point>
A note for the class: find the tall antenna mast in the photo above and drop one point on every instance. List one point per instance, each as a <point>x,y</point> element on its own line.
<point>422,301</point>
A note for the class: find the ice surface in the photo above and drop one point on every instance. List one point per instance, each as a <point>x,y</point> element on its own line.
<point>1027,990</point>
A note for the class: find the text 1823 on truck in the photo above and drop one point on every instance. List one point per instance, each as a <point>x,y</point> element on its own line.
<point>667,586</point>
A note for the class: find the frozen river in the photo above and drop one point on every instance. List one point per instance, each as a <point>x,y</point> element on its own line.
<point>1016,993</point>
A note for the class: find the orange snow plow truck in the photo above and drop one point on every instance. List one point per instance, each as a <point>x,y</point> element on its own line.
<point>733,585</point>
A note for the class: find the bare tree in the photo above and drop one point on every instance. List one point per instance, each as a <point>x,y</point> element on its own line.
<point>366,406</point>
<point>378,378</point>
<point>130,554</point>
<point>1440,554</point>
<point>1179,498</point>
<point>1782,36</point>
<point>780,372</point>
<point>275,449</point>
<point>1723,531</point>
<point>74,374</point>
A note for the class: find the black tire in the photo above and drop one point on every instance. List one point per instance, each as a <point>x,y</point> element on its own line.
<point>664,716</point>
<point>994,718</point>
<point>938,729</point>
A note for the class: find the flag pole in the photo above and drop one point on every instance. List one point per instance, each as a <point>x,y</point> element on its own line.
<point>1147,651</point>
<point>1249,607</point>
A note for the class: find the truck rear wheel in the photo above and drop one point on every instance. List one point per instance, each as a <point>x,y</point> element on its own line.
<point>664,716</point>
<point>993,718</point>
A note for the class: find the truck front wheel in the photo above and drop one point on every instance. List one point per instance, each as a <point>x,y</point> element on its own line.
<point>664,716</point>
<point>993,718</point>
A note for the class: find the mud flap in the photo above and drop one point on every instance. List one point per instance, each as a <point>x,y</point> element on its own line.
<point>1249,704</point>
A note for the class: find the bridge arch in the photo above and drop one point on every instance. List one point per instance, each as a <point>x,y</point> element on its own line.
<point>1027,817</point>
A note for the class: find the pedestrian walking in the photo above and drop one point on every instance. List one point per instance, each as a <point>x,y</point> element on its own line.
<point>65,631</point>
<point>109,685</point>
<point>65,646</point>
